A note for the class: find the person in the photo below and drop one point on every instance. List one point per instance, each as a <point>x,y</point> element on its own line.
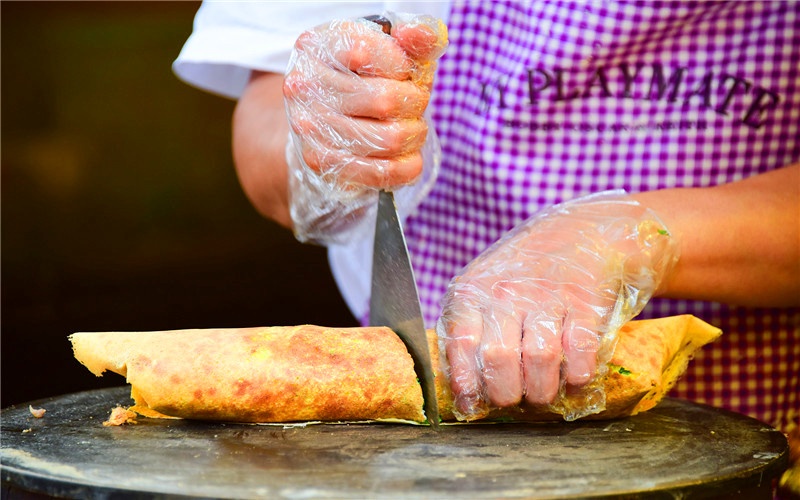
<point>561,168</point>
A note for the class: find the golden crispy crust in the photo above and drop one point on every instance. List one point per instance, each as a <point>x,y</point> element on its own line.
<point>310,373</point>
<point>277,374</point>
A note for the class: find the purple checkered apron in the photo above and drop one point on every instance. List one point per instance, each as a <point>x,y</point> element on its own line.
<point>539,102</point>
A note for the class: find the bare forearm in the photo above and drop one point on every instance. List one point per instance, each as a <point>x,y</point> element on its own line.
<point>260,131</point>
<point>740,242</point>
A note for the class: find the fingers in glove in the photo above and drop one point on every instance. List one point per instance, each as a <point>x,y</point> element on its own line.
<point>463,327</point>
<point>349,94</point>
<point>342,168</point>
<point>422,38</point>
<point>362,136</point>
<point>542,353</point>
<point>357,46</point>
<point>584,324</point>
<point>501,349</point>
<point>580,344</point>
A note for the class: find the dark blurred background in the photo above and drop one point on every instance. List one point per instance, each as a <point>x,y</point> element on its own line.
<point>121,209</point>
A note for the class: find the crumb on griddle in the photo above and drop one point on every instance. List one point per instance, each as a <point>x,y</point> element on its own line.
<point>120,416</point>
<point>37,412</point>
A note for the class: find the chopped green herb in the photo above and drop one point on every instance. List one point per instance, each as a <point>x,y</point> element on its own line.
<point>501,420</point>
<point>623,371</point>
<point>663,232</point>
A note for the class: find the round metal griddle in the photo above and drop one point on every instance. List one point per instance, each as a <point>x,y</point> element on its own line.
<point>677,450</point>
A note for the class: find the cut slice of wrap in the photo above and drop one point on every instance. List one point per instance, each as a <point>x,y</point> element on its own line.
<point>312,373</point>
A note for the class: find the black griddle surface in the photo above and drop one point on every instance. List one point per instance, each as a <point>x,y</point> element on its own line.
<point>679,449</point>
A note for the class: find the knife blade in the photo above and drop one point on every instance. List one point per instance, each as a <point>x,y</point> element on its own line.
<point>394,301</point>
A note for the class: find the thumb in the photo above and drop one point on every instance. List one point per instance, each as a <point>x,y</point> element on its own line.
<point>424,38</point>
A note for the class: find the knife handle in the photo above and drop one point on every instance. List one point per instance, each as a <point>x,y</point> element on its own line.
<point>381,21</point>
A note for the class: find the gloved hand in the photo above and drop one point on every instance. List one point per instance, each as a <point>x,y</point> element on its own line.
<point>533,319</point>
<point>355,98</point>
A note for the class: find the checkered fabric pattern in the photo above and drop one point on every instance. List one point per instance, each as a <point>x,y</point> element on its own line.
<point>538,102</point>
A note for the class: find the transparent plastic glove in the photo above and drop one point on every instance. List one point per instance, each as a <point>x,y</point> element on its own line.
<point>533,319</point>
<point>355,99</point>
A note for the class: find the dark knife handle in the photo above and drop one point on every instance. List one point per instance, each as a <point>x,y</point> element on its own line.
<point>384,23</point>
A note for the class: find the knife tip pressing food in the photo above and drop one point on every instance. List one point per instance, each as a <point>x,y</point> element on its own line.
<point>394,301</point>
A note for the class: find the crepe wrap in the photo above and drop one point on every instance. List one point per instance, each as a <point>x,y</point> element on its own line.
<point>312,373</point>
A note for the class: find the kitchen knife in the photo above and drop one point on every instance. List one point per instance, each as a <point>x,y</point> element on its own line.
<point>394,301</point>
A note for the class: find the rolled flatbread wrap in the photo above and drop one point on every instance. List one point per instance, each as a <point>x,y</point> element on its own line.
<point>312,373</point>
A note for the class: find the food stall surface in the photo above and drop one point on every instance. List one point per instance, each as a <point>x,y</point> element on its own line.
<point>677,450</point>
